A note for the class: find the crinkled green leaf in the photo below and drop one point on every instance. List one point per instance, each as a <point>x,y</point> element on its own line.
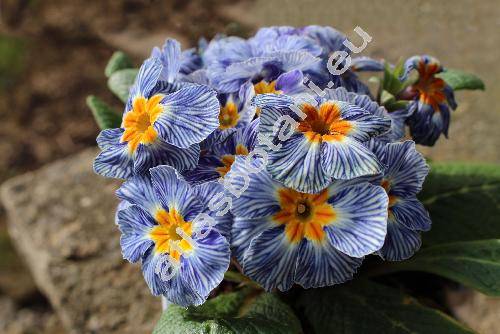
<point>463,201</point>
<point>473,263</point>
<point>461,80</point>
<point>363,307</point>
<point>233,313</point>
<point>118,61</point>
<point>105,116</point>
<point>120,82</point>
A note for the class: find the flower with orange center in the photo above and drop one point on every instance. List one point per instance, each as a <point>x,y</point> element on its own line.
<point>228,116</point>
<point>282,236</point>
<point>166,237</point>
<point>325,124</point>
<point>164,226</point>
<point>138,122</point>
<point>304,215</point>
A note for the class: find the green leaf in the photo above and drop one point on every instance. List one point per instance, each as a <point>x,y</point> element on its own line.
<point>105,116</point>
<point>233,313</point>
<point>463,202</point>
<point>473,263</point>
<point>118,61</point>
<point>120,82</point>
<point>365,307</point>
<point>391,82</point>
<point>461,80</point>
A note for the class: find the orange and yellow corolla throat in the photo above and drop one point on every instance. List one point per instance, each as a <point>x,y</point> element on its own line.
<point>324,124</point>
<point>264,87</point>
<point>304,215</point>
<point>429,87</point>
<point>228,116</point>
<point>386,184</point>
<point>228,159</point>
<point>165,236</point>
<point>138,122</point>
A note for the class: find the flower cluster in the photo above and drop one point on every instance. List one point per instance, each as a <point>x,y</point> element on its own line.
<point>227,155</point>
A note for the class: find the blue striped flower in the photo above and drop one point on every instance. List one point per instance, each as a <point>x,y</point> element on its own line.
<point>281,236</point>
<point>402,179</point>
<point>432,100</point>
<point>183,258</point>
<point>215,163</point>
<point>318,143</point>
<point>158,128</point>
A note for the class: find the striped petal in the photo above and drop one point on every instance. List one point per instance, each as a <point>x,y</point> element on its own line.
<point>298,165</point>
<point>320,264</point>
<point>347,159</point>
<point>204,268</point>
<point>361,219</point>
<point>175,193</point>
<point>114,161</point>
<point>176,290</point>
<point>135,225</point>
<point>364,124</point>
<point>205,193</point>
<point>138,190</point>
<point>244,230</point>
<point>161,153</point>
<point>271,260</point>
<point>146,79</point>
<point>410,212</point>
<point>260,197</point>
<point>109,137</point>
<point>205,171</point>
<point>401,243</point>
<point>189,116</point>
<point>406,169</point>
<point>170,56</point>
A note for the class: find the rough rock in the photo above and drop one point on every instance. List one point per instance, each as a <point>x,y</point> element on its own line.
<point>61,219</point>
<point>26,320</point>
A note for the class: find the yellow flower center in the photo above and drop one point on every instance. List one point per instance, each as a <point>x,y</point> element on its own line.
<point>165,236</point>
<point>228,159</point>
<point>264,87</point>
<point>138,122</point>
<point>304,215</point>
<point>324,124</point>
<point>228,116</point>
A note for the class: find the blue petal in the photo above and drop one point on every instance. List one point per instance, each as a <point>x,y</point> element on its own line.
<point>189,116</point>
<point>175,193</point>
<point>135,225</point>
<point>271,260</point>
<point>176,290</point>
<point>348,159</point>
<point>170,56</point>
<point>205,171</point>
<point>365,125</point>
<point>320,264</point>
<point>362,64</point>
<point>109,137</point>
<point>298,164</point>
<point>146,79</point>
<point>244,230</point>
<point>401,243</point>
<point>361,218</point>
<point>205,193</point>
<point>204,268</point>
<point>115,161</point>
<point>138,190</point>
<point>260,199</point>
<point>406,169</point>
<point>330,39</point>
<point>161,153</point>
<point>291,82</point>
<point>411,213</point>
